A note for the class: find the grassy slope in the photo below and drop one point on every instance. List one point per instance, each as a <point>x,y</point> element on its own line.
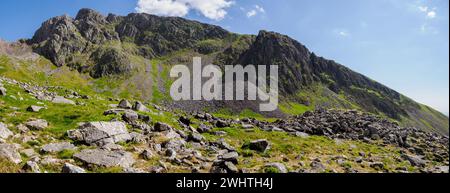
<point>65,117</point>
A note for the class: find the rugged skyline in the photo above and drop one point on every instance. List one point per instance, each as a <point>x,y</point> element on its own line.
<point>400,47</point>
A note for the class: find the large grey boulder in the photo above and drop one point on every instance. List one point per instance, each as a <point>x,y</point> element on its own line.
<point>4,131</point>
<point>62,100</point>
<point>138,106</point>
<point>260,145</point>
<point>9,152</point>
<point>105,158</point>
<point>57,147</point>
<point>415,160</point>
<point>125,104</point>
<point>37,124</point>
<point>100,133</point>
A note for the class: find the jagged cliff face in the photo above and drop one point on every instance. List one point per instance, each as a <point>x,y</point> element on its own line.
<point>62,39</point>
<point>104,46</point>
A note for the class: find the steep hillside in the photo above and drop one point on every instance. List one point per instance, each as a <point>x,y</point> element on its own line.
<point>127,55</point>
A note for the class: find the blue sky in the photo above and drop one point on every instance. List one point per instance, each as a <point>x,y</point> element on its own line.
<point>401,43</point>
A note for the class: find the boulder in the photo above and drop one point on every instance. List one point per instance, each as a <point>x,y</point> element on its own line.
<point>138,106</point>
<point>260,145</point>
<point>34,108</point>
<point>196,137</point>
<point>57,147</point>
<point>147,154</point>
<point>281,168</point>
<point>231,157</point>
<point>31,166</point>
<point>37,124</point>
<point>105,158</point>
<point>2,91</point>
<point>4,131</point>
<point>9,152</point>
<point>130,116</point>
<point>69,168</point>
<point>162,127</point>
<point>415,160</point>
<point>100,133</point>
<point>62,100</point>
<point>202,128</point>
<point>125,104</point>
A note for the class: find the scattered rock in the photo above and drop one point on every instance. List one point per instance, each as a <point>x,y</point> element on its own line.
<point>222,124</point>
<point>260,145</point>
<point>230,167</point>
<point>138,106</point>
<point>105,158</point>
<point>185,120</point>
<point>125,104</point>
<point>377,165</point>
<point>69,168</point>
<point>162,127</point>
<point>57,147</point>
<point>62,100</point>
<point>130,116</point>
<point>196,137</point>
<point>4,131</point>
<point>281,168</point>
<point>9,152</point>
<point>231,156</point>
<point>34,108</point>
<point>415,160</point>
<point>37,124</point>
<point>2,91</point>
<point>31,166</point>
<point>202,128</point>
<point>100,133</point>
<point>147,154</point>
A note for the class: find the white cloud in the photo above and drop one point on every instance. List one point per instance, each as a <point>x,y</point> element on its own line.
<point>260,9</point>
<point>431,14</point>
<point>212,9</point>
<point>423,8</point>
<point>341,32</point>
<point>253,12</point>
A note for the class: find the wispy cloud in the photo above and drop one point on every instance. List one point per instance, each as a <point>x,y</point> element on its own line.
<point>257,9</point>
<point>212,9</point>
<point>342,32</point>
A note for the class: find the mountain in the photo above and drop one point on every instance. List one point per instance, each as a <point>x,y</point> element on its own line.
<point>90,94</point>
<point>129,49</point>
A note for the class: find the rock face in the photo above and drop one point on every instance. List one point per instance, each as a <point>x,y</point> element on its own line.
<point>105,158</point>
<point>4,131</point>
<point>57,147</point>
<point>100,133</point>
<point>59,38</point>
<point>9,152</point>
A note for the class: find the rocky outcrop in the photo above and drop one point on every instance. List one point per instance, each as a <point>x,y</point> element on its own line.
<point>105,158</point>
<point>100,133</point>
<point>10,152</point>
<point>4,131</point>
<point>57,147</point>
